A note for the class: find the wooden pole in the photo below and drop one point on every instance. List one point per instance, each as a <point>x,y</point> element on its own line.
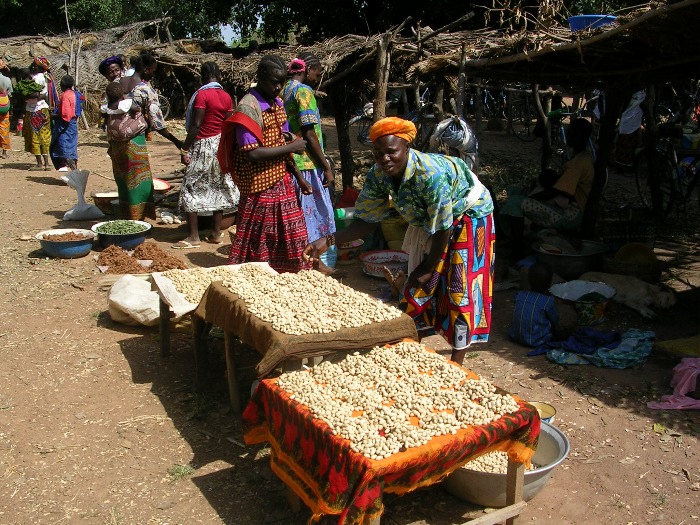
<point>342,116</point>
<point>479,105</point>
<point>462,80</point>
<point>382,74</point>
<point>77,78</point>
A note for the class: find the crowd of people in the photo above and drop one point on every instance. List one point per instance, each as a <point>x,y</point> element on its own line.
<point>264,158</point>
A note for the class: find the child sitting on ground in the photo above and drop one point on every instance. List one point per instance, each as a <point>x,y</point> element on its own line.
<point>124,118</point>
<point>537,319</point>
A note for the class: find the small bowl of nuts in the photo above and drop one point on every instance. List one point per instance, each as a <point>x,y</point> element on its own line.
<point>373,263</point>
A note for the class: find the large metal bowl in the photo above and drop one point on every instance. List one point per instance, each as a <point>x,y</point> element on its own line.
<point>489,490</point>
<point>571,265</point>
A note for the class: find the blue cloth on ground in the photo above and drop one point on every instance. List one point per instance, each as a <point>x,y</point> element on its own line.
<point>585,340</point>
<point>633,349</point>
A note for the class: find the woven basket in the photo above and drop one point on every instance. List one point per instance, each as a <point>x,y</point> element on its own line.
<point>650,273</point>
<point>617,233</point>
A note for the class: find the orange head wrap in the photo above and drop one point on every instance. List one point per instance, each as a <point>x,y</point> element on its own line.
<point>42,62</point>
<point>3,65</point>
<point>404,129</point>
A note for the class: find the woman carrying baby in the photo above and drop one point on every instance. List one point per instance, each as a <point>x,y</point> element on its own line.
<point>126,127</point>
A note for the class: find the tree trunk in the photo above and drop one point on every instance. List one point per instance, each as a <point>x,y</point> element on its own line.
<point>615,96</point>
<point>342,116</point>
<point>462,81</point>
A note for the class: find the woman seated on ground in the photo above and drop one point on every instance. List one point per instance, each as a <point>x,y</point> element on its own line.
<point>450,237</point>
<point>254,149</point>
<point>559,203</point>
<point>204,188</point>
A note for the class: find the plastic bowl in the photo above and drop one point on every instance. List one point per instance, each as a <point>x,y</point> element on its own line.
<point>581,22</point>
<point>545,410</point>
<point>489,490</point>
<point>66,249</point>
<point>127,241</point>
<point>160,186</point>
<point>588,311</point>
<point>349,252</point>
<point>373,263</point>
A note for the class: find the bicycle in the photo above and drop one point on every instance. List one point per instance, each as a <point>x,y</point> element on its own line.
<point>424,119</point>
<point>523,117</point>
<point>678,172</point>
<point>362,120</point>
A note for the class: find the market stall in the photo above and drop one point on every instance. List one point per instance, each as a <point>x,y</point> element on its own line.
<point>340,465</point>
<point>283,317</point>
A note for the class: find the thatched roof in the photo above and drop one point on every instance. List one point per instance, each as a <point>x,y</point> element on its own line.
<point>659,41</point>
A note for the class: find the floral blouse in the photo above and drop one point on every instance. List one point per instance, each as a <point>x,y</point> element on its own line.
<point>146,97</point>
<point>432,194</point>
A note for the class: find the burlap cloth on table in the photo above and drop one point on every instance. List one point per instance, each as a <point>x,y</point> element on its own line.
<point>226,310</point>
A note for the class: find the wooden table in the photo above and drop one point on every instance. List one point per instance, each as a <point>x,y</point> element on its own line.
<point>220,307</point>
<point>323,471</point>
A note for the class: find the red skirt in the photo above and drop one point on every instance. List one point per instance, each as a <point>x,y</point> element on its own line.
<point>270,228</point>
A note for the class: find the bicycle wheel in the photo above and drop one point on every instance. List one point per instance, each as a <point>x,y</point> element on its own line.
<point>358,127</point>
<point>523,121</point>
<point>164,104</point>
<point>642,177</point>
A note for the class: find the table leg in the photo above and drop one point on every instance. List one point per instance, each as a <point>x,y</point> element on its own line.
<point>164,328</point>
<point>291,365</point>
<point>515,481</point>
<point>233,392</point>
<point>200,332</point>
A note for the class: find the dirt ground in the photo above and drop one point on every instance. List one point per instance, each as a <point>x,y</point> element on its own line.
<point>97,428</point>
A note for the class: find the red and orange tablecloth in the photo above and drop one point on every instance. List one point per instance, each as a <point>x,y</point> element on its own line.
<point>331,478</point>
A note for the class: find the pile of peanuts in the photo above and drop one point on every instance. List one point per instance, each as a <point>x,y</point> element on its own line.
<point>193,283</point>
<point>370,399</point>
<point>307,302</point>
<point>495,462</point>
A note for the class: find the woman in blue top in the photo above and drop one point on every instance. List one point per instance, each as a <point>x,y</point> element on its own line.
<point>450,238</point>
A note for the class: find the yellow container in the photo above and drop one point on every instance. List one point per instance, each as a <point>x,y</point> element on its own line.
<point>394,229</point>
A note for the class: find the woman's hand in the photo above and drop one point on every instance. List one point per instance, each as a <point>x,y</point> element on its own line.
<point>328,178</point>
<point>313,250</point>
<point>298,145</point>
<point>305,186</point>
<point>419,276</point>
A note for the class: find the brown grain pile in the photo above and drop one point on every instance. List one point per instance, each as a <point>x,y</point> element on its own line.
<point>161,260</point>
<point>119,261</point>
<point>70,236</point>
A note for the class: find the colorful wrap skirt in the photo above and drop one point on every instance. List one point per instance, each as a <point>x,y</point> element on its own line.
<point>132,173</point>
<point>64,141</point>
<point>5,132</point>
<point>456,301</point>
<point>270,228</point>
<point>317,207</point>
<point>37,132</point>
<point>204,188</point>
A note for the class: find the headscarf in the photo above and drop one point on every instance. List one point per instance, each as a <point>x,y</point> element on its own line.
<point>3,65</point>
<point>45,66</point>
<point>43,63</point>
<point>104,65</point>
<point>296,66</point>
<point>399,127</point>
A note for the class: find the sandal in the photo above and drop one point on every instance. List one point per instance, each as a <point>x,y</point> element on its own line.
<point>36,168</point>
<point>218,240</point>
<point>184,245</point>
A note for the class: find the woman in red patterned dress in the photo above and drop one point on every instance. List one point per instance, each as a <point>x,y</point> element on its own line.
<point>256,149</point>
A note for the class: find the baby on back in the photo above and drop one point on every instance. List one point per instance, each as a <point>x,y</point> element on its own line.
<point>124,118</point>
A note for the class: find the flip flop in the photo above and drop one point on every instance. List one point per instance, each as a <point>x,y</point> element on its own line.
<point>36,168</point>
<point>184,245</point>
<point>211,240</point>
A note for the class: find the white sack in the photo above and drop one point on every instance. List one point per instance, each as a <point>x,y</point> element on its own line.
<point>132,302</point>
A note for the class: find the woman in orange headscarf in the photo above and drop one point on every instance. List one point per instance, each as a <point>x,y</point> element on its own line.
<point>450,238</point>
<point>5,96</point>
